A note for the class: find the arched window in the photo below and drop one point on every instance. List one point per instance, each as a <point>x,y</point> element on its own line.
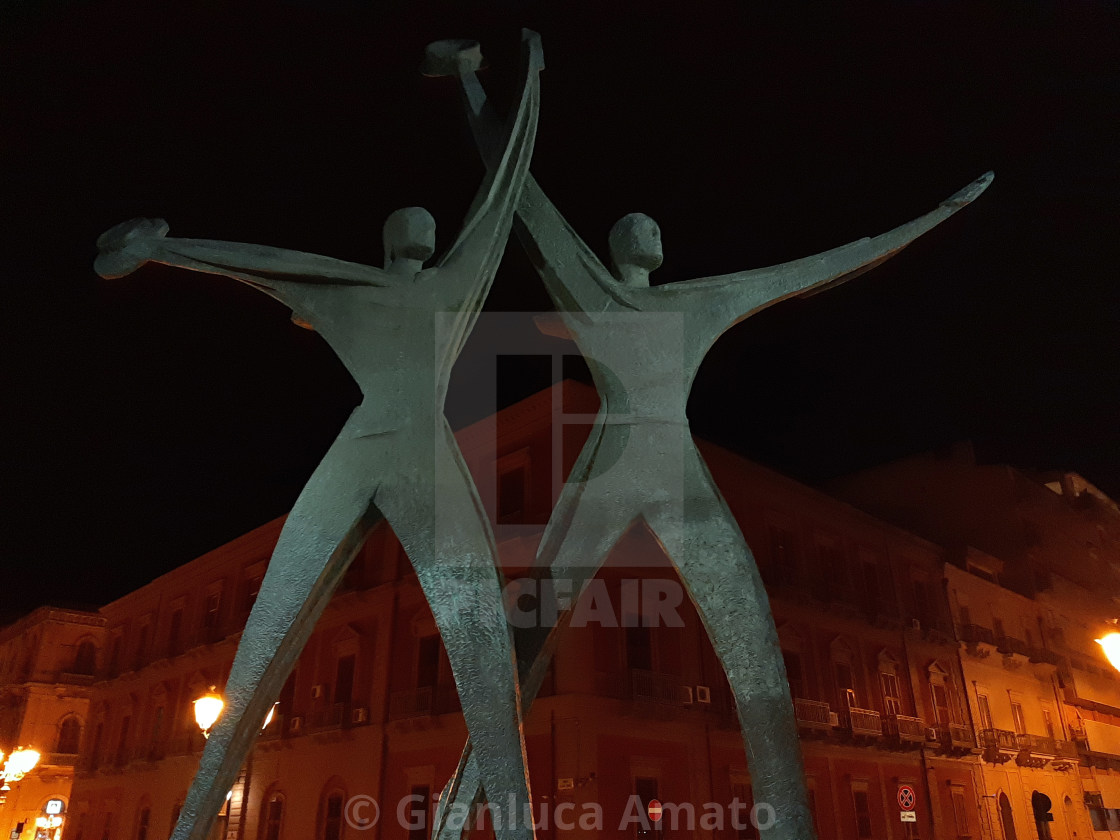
<point>69,737</point>
<point>1005,817</point>
<point>85,660</point>
<point>330,813</point>
<point>272,824</point>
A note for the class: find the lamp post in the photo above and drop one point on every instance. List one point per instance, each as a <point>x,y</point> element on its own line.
<point>207,709</point>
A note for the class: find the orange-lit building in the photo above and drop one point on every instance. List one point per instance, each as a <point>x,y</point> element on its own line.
<point>47,664</point>
<point>869,635</point>
<point>1032,583</point>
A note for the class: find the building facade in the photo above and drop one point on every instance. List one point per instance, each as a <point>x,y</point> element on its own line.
<point>48,662</point>
<point>883,667</point>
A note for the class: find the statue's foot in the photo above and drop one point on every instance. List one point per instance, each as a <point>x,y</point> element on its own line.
<point>452,57</point>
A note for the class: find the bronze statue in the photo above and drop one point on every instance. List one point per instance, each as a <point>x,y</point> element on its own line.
<point>395,459</point>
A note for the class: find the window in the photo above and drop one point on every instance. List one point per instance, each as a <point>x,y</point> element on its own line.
<point>344,679</point>
<point>985,711</point>
<point>639,648</point>
<point>511,495</point>
<point>845,685</point>
<point>211,614</point>
<point>143,818</point>
<point>176,809</point>
<point>741,790</point>
<point>115,656</point>
<point>862,807</point>
<point>922,602</point>
<point>794,673</point>
<point>95,750</point>
<point>69,737</point>
<point>175,633</point>
<point>419,805</point>
<point>960,812</point>
<point>892,698</point>
<point>141,646</point>
<point>157,733</point>
<point>122,741</point>
<point>1048,722</point>
<point>645,788</point>
<point>871,589</point>
<point>332,816</point>
<point>252,590</point>
<point>273,817</point>
<point>1017,717</point>
<point>85,660</point>
<point>783,563</point>
<point>427,662</point>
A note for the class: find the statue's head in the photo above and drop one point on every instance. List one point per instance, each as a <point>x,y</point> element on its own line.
<point>409,233</point>
<point>635,241</point>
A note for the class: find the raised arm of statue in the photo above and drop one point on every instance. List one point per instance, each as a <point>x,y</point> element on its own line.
<point>469,265</point>
<point>732,297</point>
<point>286,275</point>
<point>576,280</point>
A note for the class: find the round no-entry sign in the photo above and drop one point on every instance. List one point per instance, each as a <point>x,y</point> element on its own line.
<point>654,810</point>
<point>906,797</point>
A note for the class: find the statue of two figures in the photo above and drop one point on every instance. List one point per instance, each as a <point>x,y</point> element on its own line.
<point>399,329</point>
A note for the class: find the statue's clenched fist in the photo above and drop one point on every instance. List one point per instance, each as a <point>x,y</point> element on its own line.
<point>127,246</point>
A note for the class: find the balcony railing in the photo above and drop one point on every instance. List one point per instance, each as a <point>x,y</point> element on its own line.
<point>656,688</point>
<point>1038,745</point>
<point>975,634</point>
<point>1044,655</point>
<point>61,759</point>
<point>864,722</point>
<point>1011,645</point>
<point>414,703</point>
<point>905,728</point>
<point>1001,739</point>
<point>812,714</point>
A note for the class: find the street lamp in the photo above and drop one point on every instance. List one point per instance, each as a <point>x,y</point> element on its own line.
<point>19,764</point>
<point>207,710</point>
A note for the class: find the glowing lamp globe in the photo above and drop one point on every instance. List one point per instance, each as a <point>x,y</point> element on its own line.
<point>207,710</point>
<point>268,718</point>
<point>21,762</point>
<point>1110,642</point>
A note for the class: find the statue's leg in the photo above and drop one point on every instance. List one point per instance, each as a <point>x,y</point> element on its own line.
<point>720,575</point>
<point>585,525</point>
<point>440,521</point>
<point>323,532</point>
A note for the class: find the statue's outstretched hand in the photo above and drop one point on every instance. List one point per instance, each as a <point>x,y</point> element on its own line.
<point>127,246</point>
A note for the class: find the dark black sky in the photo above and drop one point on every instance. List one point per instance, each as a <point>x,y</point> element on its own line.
<point>149,419</point>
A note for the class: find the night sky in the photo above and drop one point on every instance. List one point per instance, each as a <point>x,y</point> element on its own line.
<point>149,419</point>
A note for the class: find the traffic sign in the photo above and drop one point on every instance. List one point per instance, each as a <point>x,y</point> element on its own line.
<point>654,809</point>
<point>909,816</point>
<point>906,797</point>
